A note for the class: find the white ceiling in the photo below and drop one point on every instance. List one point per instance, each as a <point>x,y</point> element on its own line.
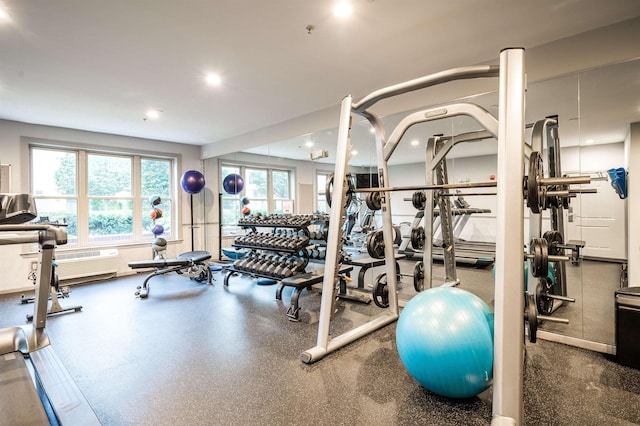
<point>593,107</point>
<point>99,65</point>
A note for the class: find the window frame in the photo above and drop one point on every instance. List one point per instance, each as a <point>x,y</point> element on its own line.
<point>82,151</point>
<point>233,229</point>
<point>320,192</point>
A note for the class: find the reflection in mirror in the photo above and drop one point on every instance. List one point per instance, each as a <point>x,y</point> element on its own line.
<point>593,109</point>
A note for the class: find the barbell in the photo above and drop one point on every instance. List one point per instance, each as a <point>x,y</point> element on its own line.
<point>535,187</point>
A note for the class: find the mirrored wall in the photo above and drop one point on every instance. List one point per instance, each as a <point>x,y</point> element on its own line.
<point>593,109</point>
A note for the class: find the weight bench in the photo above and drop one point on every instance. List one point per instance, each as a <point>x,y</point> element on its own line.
<point>300,282</point>
<point>191,264</point>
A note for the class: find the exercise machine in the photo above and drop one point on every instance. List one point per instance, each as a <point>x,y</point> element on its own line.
<point>56,293</point>
<point>509,305</point>
<point>35,387</point>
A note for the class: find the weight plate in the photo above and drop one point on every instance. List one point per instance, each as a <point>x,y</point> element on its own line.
<point>553,239</point>
<point>531,317</point>
<point>417,238</point>
<point>328,193</point>
<point>418,276</point>
<point>419,200</point>
<point>374,201</point>
<point>544,303</point>
<point>535,194</point>
<point>380,292</point>
<point>375,244</point>
<point>540,262</point>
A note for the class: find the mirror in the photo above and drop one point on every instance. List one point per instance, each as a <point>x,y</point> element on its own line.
<point>594,109</point>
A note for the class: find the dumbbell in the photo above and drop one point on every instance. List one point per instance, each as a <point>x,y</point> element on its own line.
<point>269,269</point>
<point>282,265</point>
<point>243,262</point>
<point>265,264</point>
<point>251,266</point>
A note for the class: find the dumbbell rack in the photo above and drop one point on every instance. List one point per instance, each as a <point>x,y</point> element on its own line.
<point>276,254</point>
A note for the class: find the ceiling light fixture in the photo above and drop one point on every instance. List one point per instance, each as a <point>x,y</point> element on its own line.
<point>415,142</point>
<point>153,114</point>
<point>342,9</point>
<point>308,144</point>
<point>4,15</point>
<point>354,152</point>
<point>213,79</point>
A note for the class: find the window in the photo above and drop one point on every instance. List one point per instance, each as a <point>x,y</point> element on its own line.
<point>102,197</point>
<point>321,186</point>
<point>268,191</point>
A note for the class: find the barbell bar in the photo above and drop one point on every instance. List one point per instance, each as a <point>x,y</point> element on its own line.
<point>429,187</point>
<point>552,258</point>
<point>553,319</point>
<point>577,180</point>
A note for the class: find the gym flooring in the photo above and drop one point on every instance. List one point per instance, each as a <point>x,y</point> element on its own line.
<point>194,354</point>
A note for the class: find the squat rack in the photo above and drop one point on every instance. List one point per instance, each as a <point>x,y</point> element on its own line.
<point>509,287</point>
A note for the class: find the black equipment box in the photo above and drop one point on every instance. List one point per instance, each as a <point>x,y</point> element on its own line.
<point>628,326</point>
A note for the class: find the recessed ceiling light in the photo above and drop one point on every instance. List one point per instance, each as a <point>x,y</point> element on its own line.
<point>342,9</point>
<point>308,144</point>
<point>153,114</point>
<point>415,142</point>
<point>372,130</point>
<point>4,15</point>
<point>213,79</point>
<point>589,141</point>
<point>354,152</point>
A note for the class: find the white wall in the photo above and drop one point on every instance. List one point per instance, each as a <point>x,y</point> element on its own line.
<point>482,227</point>
<point>15,260</point>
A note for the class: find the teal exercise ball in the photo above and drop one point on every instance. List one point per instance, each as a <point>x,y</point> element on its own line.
<point>445,341</point>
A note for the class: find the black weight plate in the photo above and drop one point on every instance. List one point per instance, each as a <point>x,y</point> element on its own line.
<point>380,292</point>
<point>419,200</point>
<point>531,317</point>
<point>544,303</point>
<point>418,276</point>
<point>540,262</point>
<point>374,201</point>
<point>553,239</point>
<point>417,238</point>
<point>535,194</point>
<point>375,244</point>
<point>329,191</point>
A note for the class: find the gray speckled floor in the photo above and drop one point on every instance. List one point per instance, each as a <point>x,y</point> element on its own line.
<point>192,354</point>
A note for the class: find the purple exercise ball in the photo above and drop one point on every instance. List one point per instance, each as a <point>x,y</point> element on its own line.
<point>233,183</point>
<point>192,181</point>
<point>158,230</point>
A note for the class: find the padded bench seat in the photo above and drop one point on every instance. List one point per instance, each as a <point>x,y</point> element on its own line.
<point>300,282</point>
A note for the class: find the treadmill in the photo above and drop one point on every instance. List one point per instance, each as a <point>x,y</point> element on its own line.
<point>35,387</point>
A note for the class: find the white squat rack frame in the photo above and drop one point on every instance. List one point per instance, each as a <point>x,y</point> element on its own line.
<point>509,281</point>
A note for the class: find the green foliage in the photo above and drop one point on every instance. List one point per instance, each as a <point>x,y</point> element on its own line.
<point>280,184</point>
<point>64,176</point>
<point>109,175</point>
<point>110,224</point>
<point>156,178</point>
